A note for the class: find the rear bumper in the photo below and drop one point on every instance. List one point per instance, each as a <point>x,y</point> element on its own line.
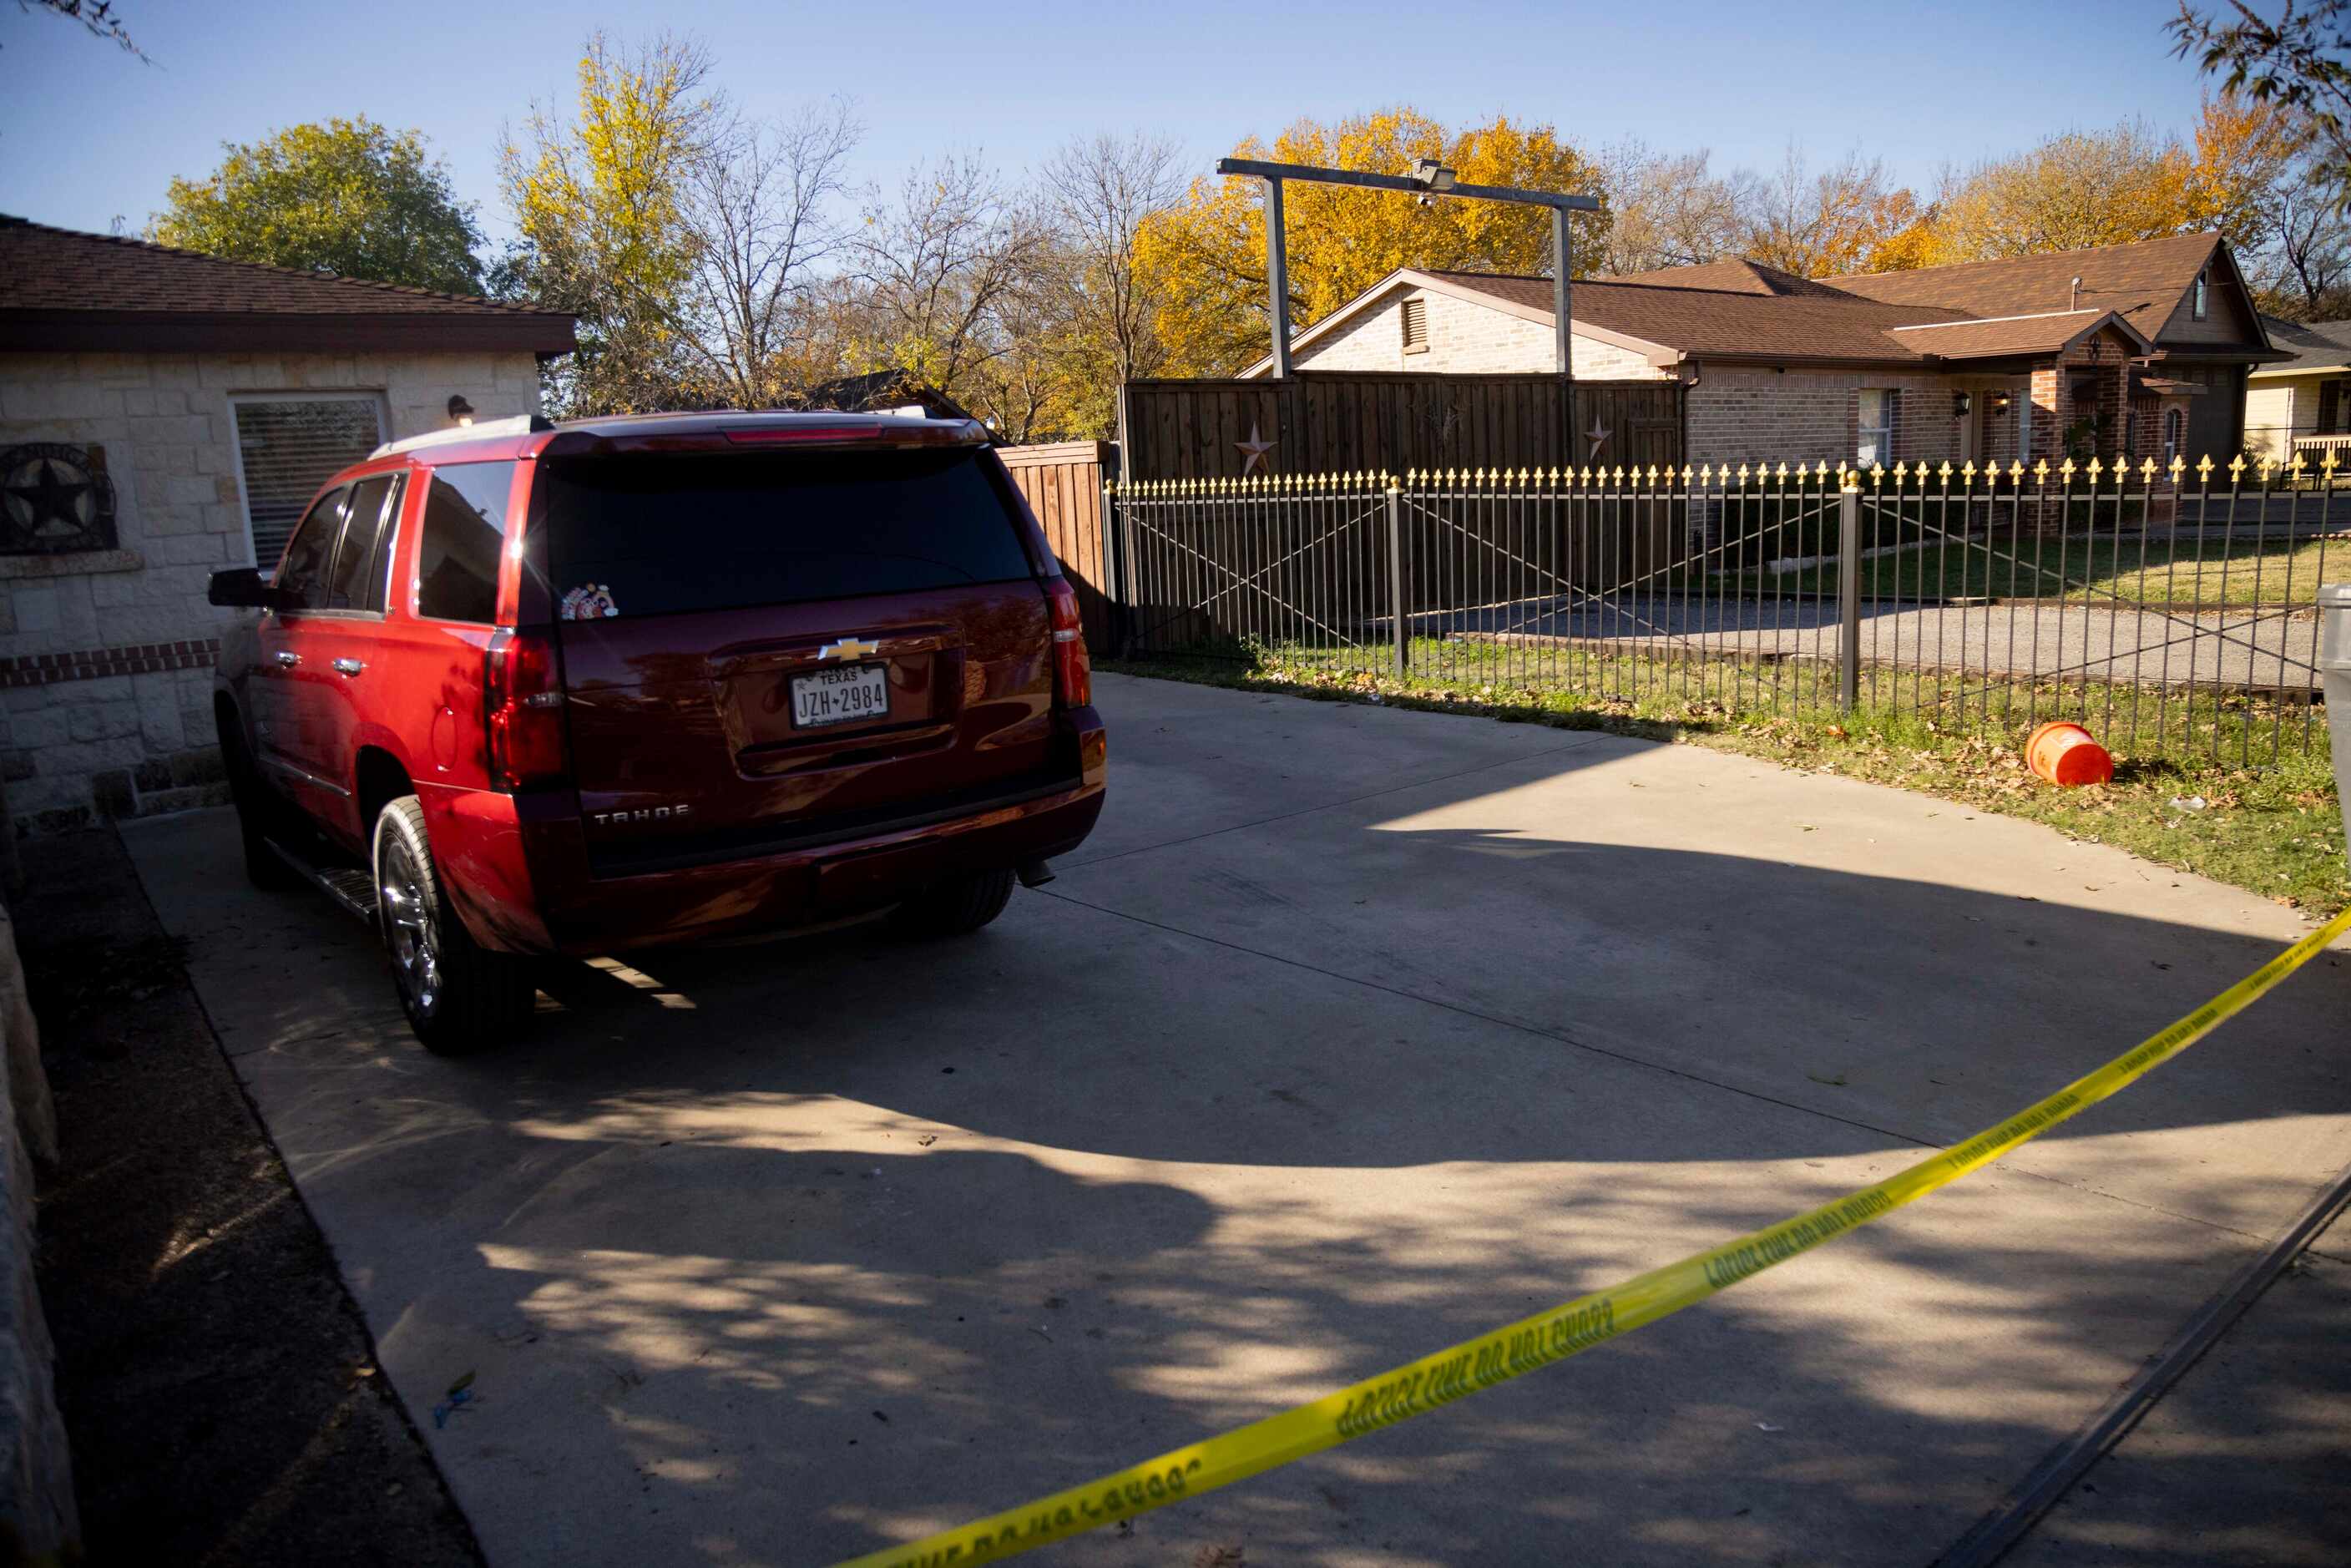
<point>519,872</point>
<point>811,886</point>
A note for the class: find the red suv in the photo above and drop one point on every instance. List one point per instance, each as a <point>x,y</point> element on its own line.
<point>522,689</point>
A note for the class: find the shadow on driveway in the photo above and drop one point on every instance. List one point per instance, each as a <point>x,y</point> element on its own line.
<point>783,1253</point>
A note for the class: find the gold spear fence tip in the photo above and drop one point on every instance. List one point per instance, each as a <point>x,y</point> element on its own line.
<point>2327,464</point>
<point>2065,469</point>
<point>2204,469</point>
<point>2237,469</point>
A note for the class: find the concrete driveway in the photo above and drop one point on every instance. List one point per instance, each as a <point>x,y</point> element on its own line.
<point>1351,1033</point>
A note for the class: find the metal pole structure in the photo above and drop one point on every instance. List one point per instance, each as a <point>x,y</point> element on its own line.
<point>1562,322</point>
<point>1277,276</point>
<point>1436,180</point>
<point>1848,597</point>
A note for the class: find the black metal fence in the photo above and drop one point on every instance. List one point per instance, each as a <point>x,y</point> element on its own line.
<point>2168,609</point>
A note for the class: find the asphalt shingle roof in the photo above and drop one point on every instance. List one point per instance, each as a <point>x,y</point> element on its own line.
<point>2142,282</point>
<point>58,275</point>
<point>2026,305</point>
<point>2314,345</point>
<point>1705,322</point>
<point>1973,340</point>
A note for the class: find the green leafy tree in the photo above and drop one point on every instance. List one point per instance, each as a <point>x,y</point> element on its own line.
<point>348,195</point>
<point>2303,60</point>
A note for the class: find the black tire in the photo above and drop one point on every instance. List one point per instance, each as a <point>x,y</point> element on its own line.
<point>256,811</point>
<point>957,907</point>
<point>459,996</point>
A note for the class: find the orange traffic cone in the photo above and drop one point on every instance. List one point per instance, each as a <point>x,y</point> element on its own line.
<point>2066,754</point>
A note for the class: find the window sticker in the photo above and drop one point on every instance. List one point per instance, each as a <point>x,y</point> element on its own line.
<point>589,602</point>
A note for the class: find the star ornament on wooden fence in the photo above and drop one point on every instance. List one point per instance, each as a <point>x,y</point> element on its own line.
<point>1253,452</point>
<point>1598,436</point>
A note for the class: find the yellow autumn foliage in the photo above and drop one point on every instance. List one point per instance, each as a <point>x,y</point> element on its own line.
<point>2086,189</point>
<point>1205,258</point>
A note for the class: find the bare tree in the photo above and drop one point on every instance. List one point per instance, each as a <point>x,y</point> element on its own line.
<point>1097,196</point>
<point>935,263</point>
<point>1025,389</point>
<point>1669,210</point>
<point>2307,267</point>
<point>1816,225</point>
<point>762,208</point>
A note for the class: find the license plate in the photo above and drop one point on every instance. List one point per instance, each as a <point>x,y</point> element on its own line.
<point>840,695</point>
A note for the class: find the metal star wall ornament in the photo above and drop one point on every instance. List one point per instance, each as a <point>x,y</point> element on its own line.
<point>54,498</point>
<point>1253,452</point>
<point>48,503</point>
<point>1598,436</point>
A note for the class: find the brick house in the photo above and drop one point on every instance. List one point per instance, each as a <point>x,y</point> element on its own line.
<point>2139,347</point>
<point>163,414</point>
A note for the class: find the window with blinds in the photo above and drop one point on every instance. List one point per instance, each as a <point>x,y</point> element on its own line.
<point>291,446</point>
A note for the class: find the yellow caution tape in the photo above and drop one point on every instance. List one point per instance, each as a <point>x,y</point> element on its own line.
<point>1422,1386</point>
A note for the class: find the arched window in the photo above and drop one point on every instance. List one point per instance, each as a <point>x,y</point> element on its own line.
<point>2171,433</point>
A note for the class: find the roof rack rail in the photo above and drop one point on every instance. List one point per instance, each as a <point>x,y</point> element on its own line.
<point>520,424</point>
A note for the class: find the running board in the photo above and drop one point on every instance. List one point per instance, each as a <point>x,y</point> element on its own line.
<point>352,889</point>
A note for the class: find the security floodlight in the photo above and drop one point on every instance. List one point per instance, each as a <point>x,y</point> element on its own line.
<point>1433,175</point>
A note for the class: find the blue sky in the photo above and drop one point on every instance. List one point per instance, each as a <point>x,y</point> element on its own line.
<point>87,133</point>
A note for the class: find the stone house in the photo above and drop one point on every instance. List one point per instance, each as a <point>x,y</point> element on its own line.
<point>2143,348</point>
<point>163,413</point>
<point>2302,404</point>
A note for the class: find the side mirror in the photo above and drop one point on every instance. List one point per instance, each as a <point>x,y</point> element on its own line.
<point>240,588</point>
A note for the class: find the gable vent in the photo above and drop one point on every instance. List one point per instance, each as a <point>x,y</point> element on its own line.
<point>1416,324</point>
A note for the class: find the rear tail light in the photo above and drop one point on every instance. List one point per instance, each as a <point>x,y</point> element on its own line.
<point>525,718</point>
<point>1073,676</point>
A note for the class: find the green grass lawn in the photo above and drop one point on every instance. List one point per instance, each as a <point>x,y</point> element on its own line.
<point>2273,828</point>
<point>2158,572</point>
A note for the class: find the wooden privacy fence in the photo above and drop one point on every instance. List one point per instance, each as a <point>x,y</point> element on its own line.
<point>1064,485</point>
<point>1325,422</point>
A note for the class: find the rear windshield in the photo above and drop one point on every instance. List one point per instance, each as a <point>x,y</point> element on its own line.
<point>658,535</point>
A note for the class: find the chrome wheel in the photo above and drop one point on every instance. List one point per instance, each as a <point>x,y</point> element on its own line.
<point>408,927</point>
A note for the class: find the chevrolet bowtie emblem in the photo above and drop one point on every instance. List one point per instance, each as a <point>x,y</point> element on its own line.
<point>847,648</point>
